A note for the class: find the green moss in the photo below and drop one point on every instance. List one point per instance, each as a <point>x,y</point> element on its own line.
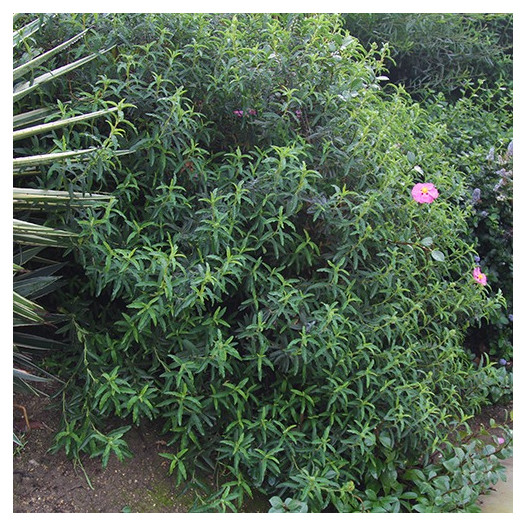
<point>162,497</point>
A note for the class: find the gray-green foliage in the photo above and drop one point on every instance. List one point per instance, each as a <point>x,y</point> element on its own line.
<point>264,284</point>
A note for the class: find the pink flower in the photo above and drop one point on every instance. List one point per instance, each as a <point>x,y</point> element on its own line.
<point>424,192</point>
<point>238,113</point>
<point>500,440</point>
<point>252,112</point>
<point>479,277</point>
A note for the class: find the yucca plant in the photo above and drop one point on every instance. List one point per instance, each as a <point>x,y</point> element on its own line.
<point>35,275</point>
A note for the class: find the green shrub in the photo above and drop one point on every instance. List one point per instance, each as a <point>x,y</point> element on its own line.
<point>264,283</point>
<point>493,225</point>
<point>467,58</point>
<point>443,52</point>
<point>480,132</point>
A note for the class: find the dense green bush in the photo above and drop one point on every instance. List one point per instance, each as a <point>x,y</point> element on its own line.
<point>480,132</point>
<point>440,51</point>
<point>460,67</point>
<point>264,284</point>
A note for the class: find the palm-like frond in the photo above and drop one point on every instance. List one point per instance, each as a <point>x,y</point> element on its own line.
<point>27,233</point>
<point>25,32</point>
<point>26,312</point>
<point>61,123</point>
<point>30,117</point>
<point>22,69</point>
<point>33,199</point>
<point>47,158</point>
<point>33,276</point>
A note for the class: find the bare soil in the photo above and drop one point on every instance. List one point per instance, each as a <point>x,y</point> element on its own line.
<point>51,483</point>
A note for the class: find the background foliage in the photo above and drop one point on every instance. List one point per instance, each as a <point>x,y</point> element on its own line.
<point>441,52</point>
<point>263,283</point>
<point>461,68</point>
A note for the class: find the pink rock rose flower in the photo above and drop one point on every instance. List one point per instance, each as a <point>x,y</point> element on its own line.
<point>424,192</point>
<point>479,276</point>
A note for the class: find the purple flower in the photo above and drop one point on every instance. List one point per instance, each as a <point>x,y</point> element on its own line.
<point>298,113</point>
<point>476,259</point>
<point>502,361</point>
<point>491,154</point>
<point>476,195</point>
<point>510,317</point>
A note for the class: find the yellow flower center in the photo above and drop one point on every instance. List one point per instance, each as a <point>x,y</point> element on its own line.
<point>425,190</point>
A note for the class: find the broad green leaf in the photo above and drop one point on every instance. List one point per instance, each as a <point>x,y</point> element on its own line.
<point>385,440</point>
<point>438,255</point>
<point>427,241</point>
<point>452,464</point>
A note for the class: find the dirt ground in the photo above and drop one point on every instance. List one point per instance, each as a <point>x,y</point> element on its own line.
<point>50,483</point>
